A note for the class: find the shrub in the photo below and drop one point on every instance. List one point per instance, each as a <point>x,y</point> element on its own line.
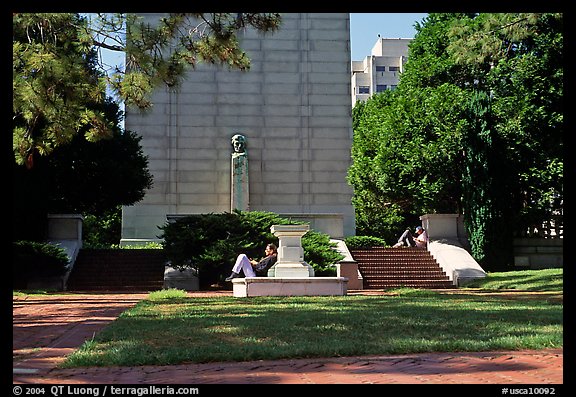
<point>37,259</point>
<point>102,231</point>
<point>211,242</point>
<point>364,242</point>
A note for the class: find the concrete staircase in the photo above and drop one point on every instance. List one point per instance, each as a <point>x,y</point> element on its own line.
<point>117,270</point>
<point>383,268</point>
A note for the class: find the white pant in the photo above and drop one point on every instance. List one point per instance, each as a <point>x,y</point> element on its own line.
<point>406,238</point>
<point>243,263</point>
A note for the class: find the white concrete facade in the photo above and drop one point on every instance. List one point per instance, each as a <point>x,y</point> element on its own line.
<point>380,70</point>
<point>293,106</point>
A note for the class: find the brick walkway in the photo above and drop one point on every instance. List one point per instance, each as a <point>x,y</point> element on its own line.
<point>47,328</point>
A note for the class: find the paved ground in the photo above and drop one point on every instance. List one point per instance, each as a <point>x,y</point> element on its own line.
<point>47,328</point>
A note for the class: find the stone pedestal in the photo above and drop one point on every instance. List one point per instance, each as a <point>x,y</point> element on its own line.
<point>349,270</point>
<point>186,280</point>
<point>290,261</point>
<point>64,231</point>
<point>239,188</point>
<point>65,227</point>
<point>291,275</point>
<point>443,226</point>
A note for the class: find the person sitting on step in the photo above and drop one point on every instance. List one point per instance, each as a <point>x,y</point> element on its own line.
<point>420,241</point>
<point>253,268</point>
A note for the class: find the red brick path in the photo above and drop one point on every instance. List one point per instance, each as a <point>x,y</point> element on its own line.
<point>47,328</point>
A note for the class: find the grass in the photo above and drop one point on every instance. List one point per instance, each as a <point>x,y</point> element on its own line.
<point>171,328</point>
<point>526,280</point>
<point>28,292</point>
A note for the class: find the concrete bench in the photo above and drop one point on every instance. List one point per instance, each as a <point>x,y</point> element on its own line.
<point>290,286</point>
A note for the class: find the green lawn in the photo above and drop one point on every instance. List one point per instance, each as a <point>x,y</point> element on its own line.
<point>526,280</point>
<point>171,328</point>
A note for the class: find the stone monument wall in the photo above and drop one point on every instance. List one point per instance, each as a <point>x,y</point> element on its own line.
<point>294,109</point>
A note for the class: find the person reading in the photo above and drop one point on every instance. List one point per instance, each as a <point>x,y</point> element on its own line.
<point>253,268</point>
<point>418,241</point>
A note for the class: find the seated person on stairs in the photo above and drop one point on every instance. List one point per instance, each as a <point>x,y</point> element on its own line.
<point>420,241</point>
<point>252,268</point>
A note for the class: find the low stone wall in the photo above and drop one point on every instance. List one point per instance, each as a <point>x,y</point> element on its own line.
<point>289,286</point>
<point>456,261</point>
<point>538,253</point>
<point>64,231</point>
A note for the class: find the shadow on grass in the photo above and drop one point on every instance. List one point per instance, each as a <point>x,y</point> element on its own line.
<point>179,330</point>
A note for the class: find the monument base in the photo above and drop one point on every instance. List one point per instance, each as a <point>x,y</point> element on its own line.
<point>289,286</point>
<point>291,270</point>
<point>181,279</point>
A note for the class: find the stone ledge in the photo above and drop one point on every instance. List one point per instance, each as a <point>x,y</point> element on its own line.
<point>289,286</point>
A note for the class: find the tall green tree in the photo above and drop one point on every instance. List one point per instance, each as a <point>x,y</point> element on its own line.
<point>53,84</point>
<point>479,106</point>
<point>488,216</point>
<point>406,148</point>
<point>518,59</point>
<point>89,178</point>
<point>53,55</point>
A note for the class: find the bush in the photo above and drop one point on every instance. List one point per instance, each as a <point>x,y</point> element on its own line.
<point>354,242</point>
<point>36,259</point>
<point>211,242</point>
<point>102,231</point>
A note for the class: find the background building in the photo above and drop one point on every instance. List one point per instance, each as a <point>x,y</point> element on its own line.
<point>293,106</point>
<point>379,71</point>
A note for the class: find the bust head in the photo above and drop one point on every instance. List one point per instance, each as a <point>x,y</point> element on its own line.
<point>239,143</point>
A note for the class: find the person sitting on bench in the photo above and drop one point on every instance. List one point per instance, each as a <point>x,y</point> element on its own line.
<point>252,268</point>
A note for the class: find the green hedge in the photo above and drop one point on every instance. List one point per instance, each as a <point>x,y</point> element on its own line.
<point>354,242</point>
<point>36,259</point>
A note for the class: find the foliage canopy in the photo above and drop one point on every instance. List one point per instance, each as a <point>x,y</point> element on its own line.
<point>434,145</point>
<point>58,71</point>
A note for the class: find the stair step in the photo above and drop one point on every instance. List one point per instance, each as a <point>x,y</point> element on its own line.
<point>414,275</point>
<point>117,269</point>
<point>383,267</point>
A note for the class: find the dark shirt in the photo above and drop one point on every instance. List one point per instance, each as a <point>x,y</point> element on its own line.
<point>262,267</point>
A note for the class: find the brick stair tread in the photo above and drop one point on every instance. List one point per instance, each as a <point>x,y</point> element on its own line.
<point>377,273</point>
<point>409,281</point>
<point>123,270</point>
<point>388,269</point>
<point>384,267</point>
<point>397,264</point>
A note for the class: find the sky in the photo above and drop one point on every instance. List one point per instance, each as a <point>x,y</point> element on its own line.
<point>364,30</point>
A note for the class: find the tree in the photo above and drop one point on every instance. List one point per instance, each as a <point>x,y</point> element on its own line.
<point>90,178</point>
<point>70,155</point>
<point>405,158</point>
<point>94,177</point>
<point>53,59</point>
<point>487,215</point>
<point>519,56</point>
<point>477,130</point>
<point>53,85</point>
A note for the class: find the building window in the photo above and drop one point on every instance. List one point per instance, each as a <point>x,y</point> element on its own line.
<point>394,69</point>
<point>380,68</point>
<point>363,89</point>
<point>393,87</point>
<point>381,87</point>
